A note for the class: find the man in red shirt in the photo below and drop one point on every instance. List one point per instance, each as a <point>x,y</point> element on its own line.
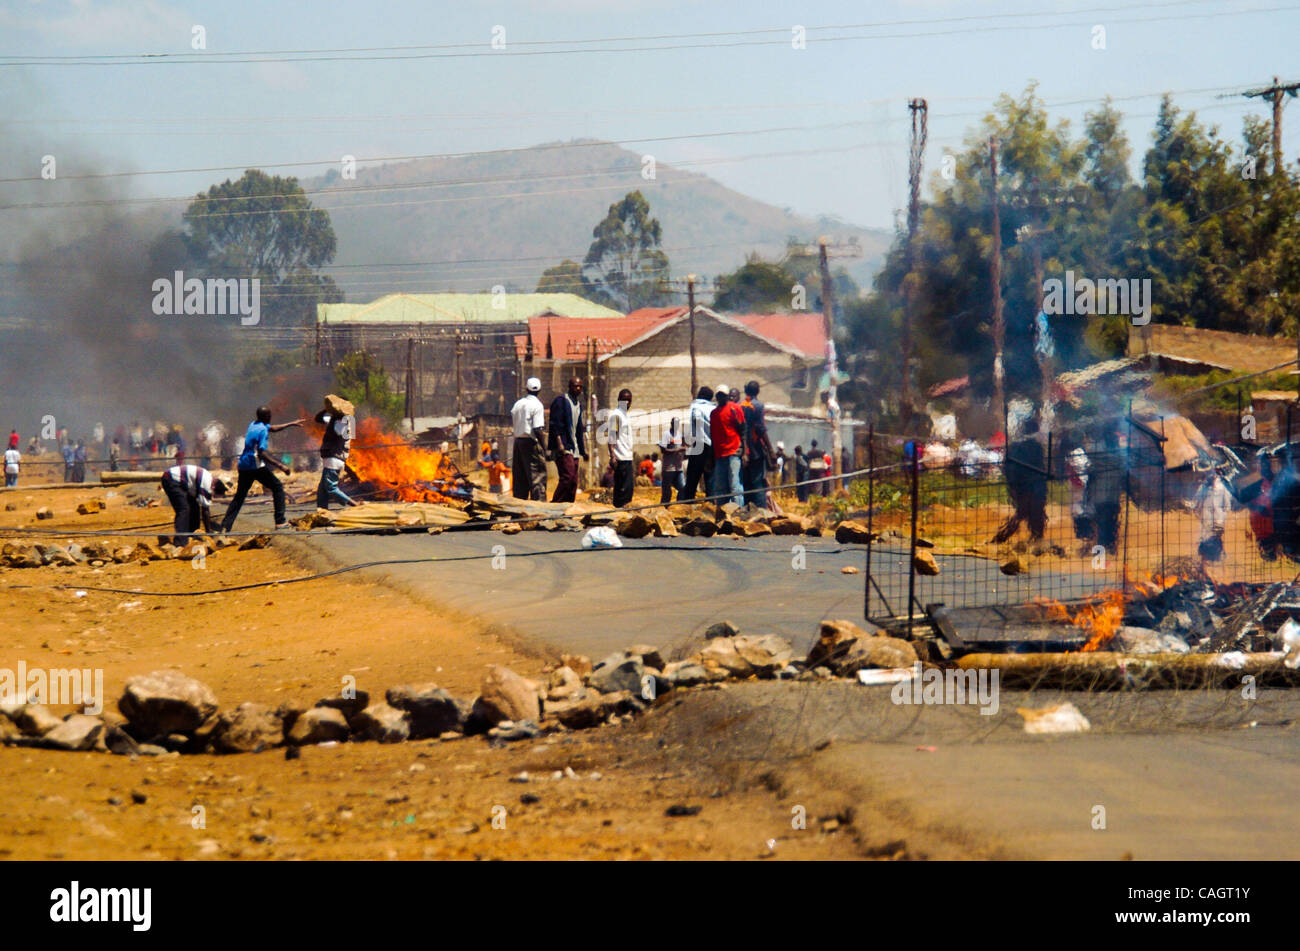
<point>727,433</point>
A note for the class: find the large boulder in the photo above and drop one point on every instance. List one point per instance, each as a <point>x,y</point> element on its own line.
<point>689,673</point>
<point>348,706</point>
<point>721,653</point>
<point>833,641</point>
<point>924,563</point>
<point>665,527</point>
<point>720,629</point>
<point>249,728</point>
<point>564,685</point>
<point>166,701</point>
<point>432,710</point>
<point>650,656</point>
<point>382,723</point>
<point>700,528</point>
<point>788,524</point>
<point>593,709</point>
<point>319,725</point>
<point>505,695</point>
<point>874,652</point>
<point>580,664</point>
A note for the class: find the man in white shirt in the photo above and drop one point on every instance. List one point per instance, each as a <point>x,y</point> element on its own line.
<point>340,428</point>
<point>528,465</point>
<point>190,489</point>
<point>699,445</point>
<point>621,444</point>
<point>12,458</point>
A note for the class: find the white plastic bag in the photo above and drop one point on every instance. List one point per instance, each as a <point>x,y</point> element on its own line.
<point>1289,635</point>
<point>601,537</point>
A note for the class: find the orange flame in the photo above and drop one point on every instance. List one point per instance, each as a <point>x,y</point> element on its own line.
<point>397,471</point>
<point>1100,617</point>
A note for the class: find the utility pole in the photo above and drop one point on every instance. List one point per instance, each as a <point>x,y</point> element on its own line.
<point>995,271</point>
<point>591,412</point>
<point>832,368</point>
<point>690,304</point>
<point>410,382</point>
<point>460,416</point>
<point>919,110</point>
<point>1275,93</point>
<point>318,341</point>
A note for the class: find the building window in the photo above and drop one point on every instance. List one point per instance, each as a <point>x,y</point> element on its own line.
<point>799,379</point>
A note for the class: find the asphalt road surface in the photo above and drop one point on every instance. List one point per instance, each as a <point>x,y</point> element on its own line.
<point>658,591</point>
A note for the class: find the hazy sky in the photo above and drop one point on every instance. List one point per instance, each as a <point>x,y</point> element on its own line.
<point>846,91</point>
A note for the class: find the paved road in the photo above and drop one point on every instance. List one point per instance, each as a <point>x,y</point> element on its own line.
<point>658,591</point>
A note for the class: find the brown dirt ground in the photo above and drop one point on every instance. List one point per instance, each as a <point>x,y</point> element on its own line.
<point>421,799</point>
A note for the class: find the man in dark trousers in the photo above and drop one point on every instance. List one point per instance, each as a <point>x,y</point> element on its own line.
<point>528,463</point>
<point>1026,484</point>
<point>255,464</point>
<point>1102,494</point>
<point>567,441</point>
<point>190,490</point>
<point>753,476</point>
<point>730,453</point>
<point>339,419</point>
<point>622,440</point>
<point>699,447</point>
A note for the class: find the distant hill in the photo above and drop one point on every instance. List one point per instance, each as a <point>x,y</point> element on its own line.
<point>538,208</point>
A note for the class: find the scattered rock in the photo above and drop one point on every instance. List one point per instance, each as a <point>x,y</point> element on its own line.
<point>580,664</point>
<point>685,673</point>
<point>722,653</point>
<point>143,552</point>
<point>750,529</point>
<point>521,730</point>
<point>766,654</point>
<point>721,629</point>
<point>700,528</point>
<point>1014,565</point>
<point>257,541</point>
<point>382,723</point>
<point>348,706</point>
<point>617,672</point>
<point>504,695</point>
<point>665,527</point>
<point>432,710</point>
<point>319,725</point>
<point>77,732</point>
<point>508,528</point>
<point>679,809</point>
<point>249,728</point>
<point>925,564</point>
<point>633,525</point>
<point>848,570</point>
<point>851,532</point>
<point>91,507</point>
<point>166,701</point>
<point>35,719</point>
<point>788,525</point>
<point>564,685</point>
<point>44,512</point>
<point>650,656</point>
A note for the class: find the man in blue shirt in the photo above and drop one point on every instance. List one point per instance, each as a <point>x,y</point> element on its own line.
<point>255,464</point>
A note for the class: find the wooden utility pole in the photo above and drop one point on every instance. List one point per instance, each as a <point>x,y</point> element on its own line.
<point>317,341</point>
<point>591,412</point>
<point>919,110</point>
<point>995,272</point>
<point>410,382</point>
<point>1275,93</point>
<point>460,404</point>
<point>690,305</point>
<point>832,367</point>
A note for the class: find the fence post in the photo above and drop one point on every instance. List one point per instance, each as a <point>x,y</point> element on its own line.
<point>911,557</point>
<point>871,514</point>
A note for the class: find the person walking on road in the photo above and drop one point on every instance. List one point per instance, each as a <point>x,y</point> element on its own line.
<point>529,462</point>
<point>255,464</point>
<point>567,441</point>
<point>621,444</point>
<point>340,428</point>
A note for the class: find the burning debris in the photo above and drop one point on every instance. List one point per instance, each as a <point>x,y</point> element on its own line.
<point>385,468</point>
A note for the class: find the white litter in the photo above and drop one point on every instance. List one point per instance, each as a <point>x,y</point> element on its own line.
<point>79,594</point>
<point>1289,635</point>
<point>601,537</point>
<point>879,676</point>
<point>1233,660</point>
<point>1062,718</point>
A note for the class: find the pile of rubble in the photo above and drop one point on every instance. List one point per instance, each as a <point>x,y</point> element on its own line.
<point>169,712</point>
<point>95,554</point>
<point>700,521</point>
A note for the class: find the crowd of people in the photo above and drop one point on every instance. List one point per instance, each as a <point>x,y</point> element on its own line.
<point>721,450</point>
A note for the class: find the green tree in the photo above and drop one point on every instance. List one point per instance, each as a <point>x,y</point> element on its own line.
<point>566,278</point>
<point>626,264</point>
<point>264,227</point>
<point>755,286</point>
<point>360,378</point>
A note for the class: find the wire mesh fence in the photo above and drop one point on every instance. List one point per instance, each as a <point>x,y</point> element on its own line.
<point>1052,520</point>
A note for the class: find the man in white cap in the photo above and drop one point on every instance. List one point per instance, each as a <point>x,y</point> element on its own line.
<point>528,466</point>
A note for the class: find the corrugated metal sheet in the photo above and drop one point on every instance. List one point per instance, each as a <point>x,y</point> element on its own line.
<point>467,308</point>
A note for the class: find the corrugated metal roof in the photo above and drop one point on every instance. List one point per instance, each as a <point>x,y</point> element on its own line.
<point>568,335</point>
<point>462,308</point>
